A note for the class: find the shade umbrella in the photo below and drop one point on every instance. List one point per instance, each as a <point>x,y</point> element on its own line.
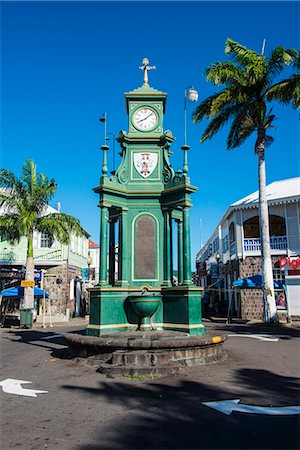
<point>18,291</point>
<point>255,282</point>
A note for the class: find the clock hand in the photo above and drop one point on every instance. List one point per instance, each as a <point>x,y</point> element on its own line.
<point>145,118</point>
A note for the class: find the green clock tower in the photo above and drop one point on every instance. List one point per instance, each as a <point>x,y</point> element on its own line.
<point>143,204</point>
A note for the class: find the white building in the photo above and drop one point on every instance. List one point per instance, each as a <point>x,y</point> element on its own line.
<point>233,251</point>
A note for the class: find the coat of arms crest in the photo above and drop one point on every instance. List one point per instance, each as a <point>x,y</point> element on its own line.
<point>145,163</point>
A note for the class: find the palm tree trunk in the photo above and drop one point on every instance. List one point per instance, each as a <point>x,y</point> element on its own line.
<point>29,275</point>
<point>270,312</point>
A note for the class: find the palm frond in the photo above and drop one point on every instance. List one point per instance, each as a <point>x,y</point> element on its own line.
<point>10,228</point>
<point>60,226</point>
<point>229,98</point>
<point>269,140</point>
<point>286,91</point>
<point>241,54</point>
<point>203,109</point>
<point>241,128</point>
<point>8,180</point>
<point>216,124</point>
<point>280,58</point>
<point>223,72</point>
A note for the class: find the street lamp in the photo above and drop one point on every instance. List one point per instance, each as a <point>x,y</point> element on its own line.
<point>191,95</point>
<point>89,262</point>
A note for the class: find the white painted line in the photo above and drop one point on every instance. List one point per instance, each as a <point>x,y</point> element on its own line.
<point>11,386</point>
<point>229,406</point>
<point>53,336</point>
<point>260,337</point>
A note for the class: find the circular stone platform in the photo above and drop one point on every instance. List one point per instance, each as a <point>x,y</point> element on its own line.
<point>145,353</point>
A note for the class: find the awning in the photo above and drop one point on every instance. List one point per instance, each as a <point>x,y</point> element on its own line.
<point>18,291</point>
<point>256,282</point>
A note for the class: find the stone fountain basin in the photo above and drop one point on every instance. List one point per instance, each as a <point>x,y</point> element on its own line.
<point>145,305</point>
<point>150,353</point>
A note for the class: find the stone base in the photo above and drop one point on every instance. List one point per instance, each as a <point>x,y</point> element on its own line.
<point>149,353</point>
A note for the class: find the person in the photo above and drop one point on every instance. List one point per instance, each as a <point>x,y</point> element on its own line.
<point>205,302</point>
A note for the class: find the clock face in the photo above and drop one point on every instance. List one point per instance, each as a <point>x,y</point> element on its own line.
<point>145,119</point>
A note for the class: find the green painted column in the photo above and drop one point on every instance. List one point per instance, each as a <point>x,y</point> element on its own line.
<point>167,250</point>
<point>103,246</point>
<point>186,247</point>
<point>124,248</point>
<point>171,248</point>
<point>180,252</point>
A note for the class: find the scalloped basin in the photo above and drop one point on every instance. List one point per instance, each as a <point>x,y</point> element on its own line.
<point>145,305</point>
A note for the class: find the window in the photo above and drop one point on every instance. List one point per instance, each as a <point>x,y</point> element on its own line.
<point>277,227</point>
<point>251,228</point>
<point>225,243</point>
<point>216,245</point>
<point>231,233</point>
<point>46,241</point>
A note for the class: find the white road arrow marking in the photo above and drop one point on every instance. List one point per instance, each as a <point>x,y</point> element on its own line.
<point>52,336</point>
<point>260,337</point>
<point>228,406</point>
<point>11,386</point>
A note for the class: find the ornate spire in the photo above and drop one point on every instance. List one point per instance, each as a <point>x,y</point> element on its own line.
<point>145,68</point>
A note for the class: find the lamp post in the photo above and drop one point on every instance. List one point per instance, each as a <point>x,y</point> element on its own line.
<point>218,259</point>
<point>104,147</point>
<point>191,95</point>
<point>104,213</point>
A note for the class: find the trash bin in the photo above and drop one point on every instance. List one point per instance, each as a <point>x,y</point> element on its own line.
<point>26,318</point>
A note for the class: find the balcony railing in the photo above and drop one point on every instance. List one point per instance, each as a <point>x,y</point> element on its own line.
<point>10,255</point>
<point>276,243</point>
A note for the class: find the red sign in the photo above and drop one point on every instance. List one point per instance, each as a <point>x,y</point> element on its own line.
<point>293,263</point>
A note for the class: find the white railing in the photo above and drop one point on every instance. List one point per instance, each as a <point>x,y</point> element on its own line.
<point>277,243</point>
<point>10,255</point>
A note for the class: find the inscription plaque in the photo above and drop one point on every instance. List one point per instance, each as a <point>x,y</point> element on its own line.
<point>145,248</point>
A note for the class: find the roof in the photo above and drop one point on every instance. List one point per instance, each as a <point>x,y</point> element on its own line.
<point>93,244</point>
<point>145,92</point>
<point>279,190</point>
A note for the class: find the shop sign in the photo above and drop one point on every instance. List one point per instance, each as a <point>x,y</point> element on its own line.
<point>18,275</point>
<point>214,270</point>
<point>290,263</point>
<point>27,283</point>
<point>280,300</point>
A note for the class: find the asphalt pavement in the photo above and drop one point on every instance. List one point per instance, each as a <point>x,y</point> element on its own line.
<point>83,409</point>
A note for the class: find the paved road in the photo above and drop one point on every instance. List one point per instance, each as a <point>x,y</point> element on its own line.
<point>85,410</point>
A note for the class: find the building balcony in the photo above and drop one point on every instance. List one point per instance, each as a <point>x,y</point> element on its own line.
<point>278,245</point>
<point>12,256</point>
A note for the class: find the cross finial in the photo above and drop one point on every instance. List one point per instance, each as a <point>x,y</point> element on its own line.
<point>145,68</point>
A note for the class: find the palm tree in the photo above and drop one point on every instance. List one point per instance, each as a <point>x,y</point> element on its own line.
<point>249,88</point>
<point>25,201</point>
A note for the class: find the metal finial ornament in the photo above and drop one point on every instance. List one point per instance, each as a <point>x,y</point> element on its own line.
<point>146,68</point>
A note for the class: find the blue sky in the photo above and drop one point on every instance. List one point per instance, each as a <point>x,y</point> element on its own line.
<point>65,63</point>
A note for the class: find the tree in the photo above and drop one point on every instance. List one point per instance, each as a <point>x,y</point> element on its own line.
<point>24,201</point>
<point>249,88</point>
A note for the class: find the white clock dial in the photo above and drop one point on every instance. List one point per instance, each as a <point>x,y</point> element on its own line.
<point>145,119</point>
